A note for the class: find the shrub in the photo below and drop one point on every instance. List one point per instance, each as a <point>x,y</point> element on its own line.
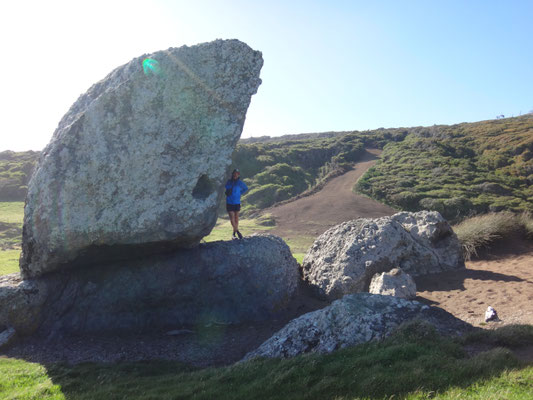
<point>482,231</point>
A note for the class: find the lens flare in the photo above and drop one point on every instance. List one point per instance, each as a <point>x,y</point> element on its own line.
<point>151,67</point>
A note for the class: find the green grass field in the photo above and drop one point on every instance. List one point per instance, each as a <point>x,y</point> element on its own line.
<point>9,261</point>
<point>247,226</point>
<point>12,212</point>
<point>11,218</point>
<point>414,363</point>
<point>263,224</point>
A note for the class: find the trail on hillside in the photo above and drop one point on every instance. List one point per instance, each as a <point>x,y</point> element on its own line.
<point>311,216</point>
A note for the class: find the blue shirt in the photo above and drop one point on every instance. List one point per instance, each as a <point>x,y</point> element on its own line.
<point>238,189</point>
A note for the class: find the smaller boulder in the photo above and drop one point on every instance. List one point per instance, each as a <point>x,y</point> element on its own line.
<point>344,259</point>
<point>354,319</point>
<point>394,283</point>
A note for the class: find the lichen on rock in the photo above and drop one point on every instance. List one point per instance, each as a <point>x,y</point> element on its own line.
<point>138,163</point>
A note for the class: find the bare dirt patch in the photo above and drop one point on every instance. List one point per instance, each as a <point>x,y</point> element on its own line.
<point>502,280</point>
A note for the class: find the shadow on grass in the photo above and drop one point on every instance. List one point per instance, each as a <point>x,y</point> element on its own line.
<point>414,360</point>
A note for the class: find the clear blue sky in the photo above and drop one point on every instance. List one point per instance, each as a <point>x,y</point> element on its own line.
<point>329,65</point>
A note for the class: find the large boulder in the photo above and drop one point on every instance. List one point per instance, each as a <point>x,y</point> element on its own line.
<point>138,163</point>
<point>345,258</point>
<point>353,320</point>
<point>393,283</point>
<point>220,282</point>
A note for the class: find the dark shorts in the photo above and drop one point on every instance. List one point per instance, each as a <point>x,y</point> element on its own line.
<point>233,207</point>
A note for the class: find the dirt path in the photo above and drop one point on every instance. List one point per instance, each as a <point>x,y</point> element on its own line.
<point>311,216</point>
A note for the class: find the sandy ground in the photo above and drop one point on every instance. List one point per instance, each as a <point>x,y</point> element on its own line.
<point>503,280</point>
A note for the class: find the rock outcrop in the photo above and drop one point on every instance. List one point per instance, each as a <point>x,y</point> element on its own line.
<point>345,258</point>
<point>138,163</point>
<point>354,319</point>
<point>219,282</point>
<point>394,283</point>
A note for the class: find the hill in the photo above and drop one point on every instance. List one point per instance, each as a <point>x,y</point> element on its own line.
<point>458,170</point>
<point>15,173</point>
<point>278,169</point>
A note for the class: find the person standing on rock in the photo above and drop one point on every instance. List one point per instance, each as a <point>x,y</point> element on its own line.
<point>234,189</point>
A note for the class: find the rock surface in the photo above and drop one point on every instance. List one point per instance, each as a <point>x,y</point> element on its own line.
<point>345,258</point>
<point>355,319</point>
<point>7,337</point>
<point>394,283</point>
<point>138,163</point>
<point>214,283</point>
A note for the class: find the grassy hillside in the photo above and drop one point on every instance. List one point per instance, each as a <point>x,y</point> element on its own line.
<point>278,169</point>
<point>458,170</point>
<point>15,173</point>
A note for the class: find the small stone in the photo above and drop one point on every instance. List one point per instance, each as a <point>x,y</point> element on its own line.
<point>394,283</point>
<point>491,315</point>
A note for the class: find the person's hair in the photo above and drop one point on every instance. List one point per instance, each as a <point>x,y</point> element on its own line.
<point>233,172</point>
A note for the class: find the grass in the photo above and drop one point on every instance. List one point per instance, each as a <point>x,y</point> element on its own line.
<point>12,212</point>
<point>24,380</point>
<point>11,218</point>
<point>247,226</point>
<point>414,363</point>
<point>483,231</point>
<point>9,261</point>
<point>223,230</point>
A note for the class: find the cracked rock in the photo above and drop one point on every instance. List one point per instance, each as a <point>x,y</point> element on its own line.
<point>345,258</point>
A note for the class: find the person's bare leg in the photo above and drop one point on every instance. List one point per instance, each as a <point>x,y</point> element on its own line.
<point>232,220</point>
<point>237,224</point>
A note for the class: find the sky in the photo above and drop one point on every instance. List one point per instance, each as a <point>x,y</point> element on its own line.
<point>328,65</point>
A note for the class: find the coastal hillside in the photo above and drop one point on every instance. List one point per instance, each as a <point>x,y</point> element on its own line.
<point>458,170</point>
<point>15,173</point>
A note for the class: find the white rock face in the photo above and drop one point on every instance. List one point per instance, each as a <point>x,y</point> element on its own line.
<point>354,319</point>
<point>139,162</point>
<point>345,258</point>
<point>394,283</point>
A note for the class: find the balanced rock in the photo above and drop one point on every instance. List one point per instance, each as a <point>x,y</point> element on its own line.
<point>214,283</point>
<point>138,163</point>
<point>345,258</point>
<point>394,283</point>
<point>354,319</point>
